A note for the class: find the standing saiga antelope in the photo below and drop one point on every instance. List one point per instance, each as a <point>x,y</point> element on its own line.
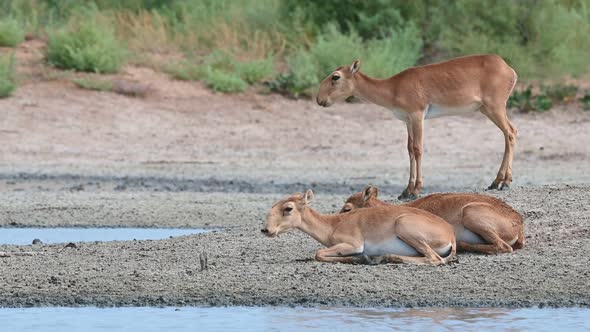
<point>385,234</point>
<point>482,224</point>
<point>456,86</point>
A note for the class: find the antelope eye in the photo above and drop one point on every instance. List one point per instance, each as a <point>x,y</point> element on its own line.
<point>335,77</point>
<point>287,211</point>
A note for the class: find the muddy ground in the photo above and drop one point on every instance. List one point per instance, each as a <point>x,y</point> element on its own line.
<point>187,157</point>
<point>246,268</point>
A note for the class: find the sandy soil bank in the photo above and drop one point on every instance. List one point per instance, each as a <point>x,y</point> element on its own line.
<point>187,157</point>
<point>246,268</point>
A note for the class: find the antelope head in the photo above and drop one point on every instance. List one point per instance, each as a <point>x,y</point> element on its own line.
<point>363,199</point>
<point>339,85</point>
<point>286,214</point>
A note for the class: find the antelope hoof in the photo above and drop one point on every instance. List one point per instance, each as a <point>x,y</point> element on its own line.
<point>493,186</point>
<point>499,185</point>
<point>368,260</point>
<point>407,197</point>
<point>454,260</point>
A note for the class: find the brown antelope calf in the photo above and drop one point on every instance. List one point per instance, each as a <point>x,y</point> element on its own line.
<point>482,223</point>
<point>457,86</point>
<point>388,234</point>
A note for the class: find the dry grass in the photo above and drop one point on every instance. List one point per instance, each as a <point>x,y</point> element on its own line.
<point>145,32</point>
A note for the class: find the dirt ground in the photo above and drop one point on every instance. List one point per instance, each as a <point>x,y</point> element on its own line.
<point>187,157</point>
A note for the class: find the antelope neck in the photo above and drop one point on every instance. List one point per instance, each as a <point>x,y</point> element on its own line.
<point>373,90</point>
<point>317,225</point>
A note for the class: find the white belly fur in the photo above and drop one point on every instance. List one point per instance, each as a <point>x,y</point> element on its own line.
<point>470,237</point>
<point>401,115</point>
<point>435,111</point>
<point>397,246</point>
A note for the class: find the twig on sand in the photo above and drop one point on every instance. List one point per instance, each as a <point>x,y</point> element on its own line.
<point>203,259</point>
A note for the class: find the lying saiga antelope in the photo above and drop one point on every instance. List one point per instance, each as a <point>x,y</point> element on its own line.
<point>457,86</point>
<point>390,234</point>
<point>482,223</point>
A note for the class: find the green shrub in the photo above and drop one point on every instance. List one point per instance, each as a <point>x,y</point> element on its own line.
<point>560,92</point>
<point>225,82</point>
<point>521,100</point>
<point>11,33</point>
<point>85,45</point>
<point>186,71</point>
<point>7,75</point>
<point>525,101</point>
<point>370,19</point>
<point>222,72</point>
<point>397,50</point>
<point>542,103</point>
<point>585,100</point>
<point>303,74</point>
<point>255,71</point>
<point>538,38</point>
<point>94,84</point>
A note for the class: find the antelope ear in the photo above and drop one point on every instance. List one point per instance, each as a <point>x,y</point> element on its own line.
<point>370,191</point>
<point>356,65</point>
<point>308,197</point>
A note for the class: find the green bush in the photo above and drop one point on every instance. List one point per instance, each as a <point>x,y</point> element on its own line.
<point>85,45</point>
<point>185,71</point>
<point>560,92</point>
<point>255,71</point>
<point>303,74</point>
<point>225,82</point>
<point>7,75</point>
<point>397,50</point>
<point>222,72</point>
<point>538,38</point>
<point>369,19</point>
<point>94,84</point>
<point>585,100</point>
<point>521,100</point>
<point>542,103</point>
<point>11,33</point>
<point>525,101</point>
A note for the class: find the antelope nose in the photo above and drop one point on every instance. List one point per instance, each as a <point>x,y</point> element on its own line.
<point>264,230</point>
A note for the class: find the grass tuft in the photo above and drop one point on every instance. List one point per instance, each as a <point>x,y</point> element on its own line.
<point>85,45</point>
<point>225,82</point>
<point>11,32</point>
<point>7,75</point>
<point>585,101</point>
<point>185,71</point>
<point>94,84</point>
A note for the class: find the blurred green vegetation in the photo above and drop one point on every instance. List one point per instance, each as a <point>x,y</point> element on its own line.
<point>85,44</point>
<point>291,45</point>
<point>7,75</point>
<point>11,32</point>
<point>93,84</point>
<point>585,100</point>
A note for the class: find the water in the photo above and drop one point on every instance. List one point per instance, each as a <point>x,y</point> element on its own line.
<point>147,319</point>
<point>23,236</point>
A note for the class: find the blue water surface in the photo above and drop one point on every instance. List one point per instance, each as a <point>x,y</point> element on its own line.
<point>22,236</point>
<point>148,319</point>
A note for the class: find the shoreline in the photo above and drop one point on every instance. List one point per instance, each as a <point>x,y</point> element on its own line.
<point>246,268</point>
